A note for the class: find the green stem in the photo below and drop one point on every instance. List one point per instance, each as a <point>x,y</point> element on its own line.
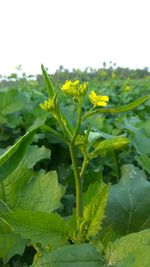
<point>84,166</point>
<point>78,121</point>
<point>78,184</point>
<point>88,113</point>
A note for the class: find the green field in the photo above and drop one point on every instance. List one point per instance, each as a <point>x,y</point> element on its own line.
<point>75,172</point>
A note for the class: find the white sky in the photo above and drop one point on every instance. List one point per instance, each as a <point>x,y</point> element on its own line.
<point>73,33</point>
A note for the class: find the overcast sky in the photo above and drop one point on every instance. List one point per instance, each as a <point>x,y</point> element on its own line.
<point>73,33</point>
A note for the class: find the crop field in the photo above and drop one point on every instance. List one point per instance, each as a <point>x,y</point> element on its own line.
<point>75,169</point>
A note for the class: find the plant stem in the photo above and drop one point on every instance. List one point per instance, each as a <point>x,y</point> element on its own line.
<point>78,121</point>
<point>78,184</point>
<point>84,166</point>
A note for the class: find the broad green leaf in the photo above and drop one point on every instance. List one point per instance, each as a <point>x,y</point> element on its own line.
<point>129,202</point>
<point>125,108</point>
<point>131,250</point>
<point>11,101</point>
<point>84,255</point>
<point>10,243</point>
<point>109,145</point>
<point>39,227</point>
<point>48,82</point>
<point>15,180</point>
<point>94,208</point>
<point>41,193</point>
<point>140,139</point>
<point>144,162</point>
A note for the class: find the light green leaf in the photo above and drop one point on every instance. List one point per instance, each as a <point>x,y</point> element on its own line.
<point>94,208</point>
<point>109,145</point>
<point>84,255</point>
<point>42,193</point>
<point>129,202</point>
<point>131,250</point>
<point>12,153</point>
<point>39,227</point>
<point>15,180</point>
<point>10,243</point>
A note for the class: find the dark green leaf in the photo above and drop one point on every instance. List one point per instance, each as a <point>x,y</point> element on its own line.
<point>84,255</point>
<point>129,202</point>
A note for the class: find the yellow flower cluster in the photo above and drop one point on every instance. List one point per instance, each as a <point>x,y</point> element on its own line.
<point>98,100</point>
<point>48,105</point>
<point>74,89</point>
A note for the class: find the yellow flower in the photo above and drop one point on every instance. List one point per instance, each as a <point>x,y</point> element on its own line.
<point>48,105</point>
<point>98,100</point>
<point>74,89</point>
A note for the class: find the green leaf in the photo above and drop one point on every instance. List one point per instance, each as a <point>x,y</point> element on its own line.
<point>109,145</point>
<point>94,207</point>
<point>35,154</point>
<point>95,135</point>
<point>147,127</point>
<point>39,227</point>
<point>129,202</point>
<point>139,133</point>
<point>141,141</point>
<point>18,148</point>
<point>14,181</point>
<point>11,101</point>
<point>10,243</point>
<point>50,88</point>
<point>144,162</point>
<point>41,193</point>
<point>84,255</point>
<point>131,250</point>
